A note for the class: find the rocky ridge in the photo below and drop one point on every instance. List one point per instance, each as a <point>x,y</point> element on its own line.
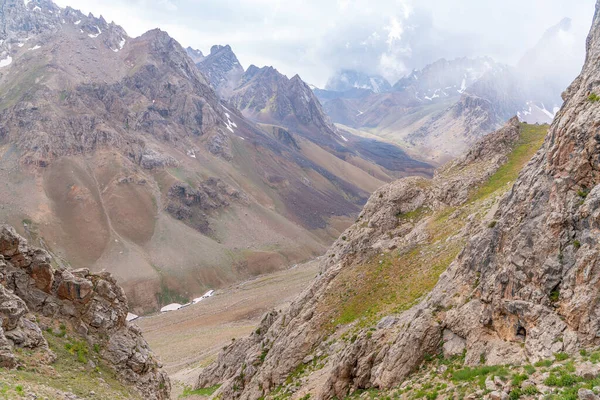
<point>35,297</point>
<point>223,70</point>
<point>519,287</point>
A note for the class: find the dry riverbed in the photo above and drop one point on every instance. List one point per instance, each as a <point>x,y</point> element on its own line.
<point>190,338</point>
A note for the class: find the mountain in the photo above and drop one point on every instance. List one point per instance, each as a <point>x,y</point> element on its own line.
<point>117,154</point>
<point>487,270</point>
<point>444,108</point>
<point>266,95</point>
<point>222,68</point>
<point>289,110</point>
<point>445,78</point>
<point>346,80</point>
<point>195,55</point>
<point>545,88</point>
<point>419,107</point>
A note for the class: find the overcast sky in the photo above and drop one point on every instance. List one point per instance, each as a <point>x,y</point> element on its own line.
<point>314,38</point>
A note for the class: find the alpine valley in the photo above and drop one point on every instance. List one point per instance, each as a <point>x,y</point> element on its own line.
<point>436,237</point>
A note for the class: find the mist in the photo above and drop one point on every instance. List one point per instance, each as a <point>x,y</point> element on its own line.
<point>316,38</point>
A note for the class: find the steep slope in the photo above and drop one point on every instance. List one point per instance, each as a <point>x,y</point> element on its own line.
<point>518,275</point>
<point>118,155</point>
<point>223,70</point>
<point>53,318</point>
<point>271,98</point>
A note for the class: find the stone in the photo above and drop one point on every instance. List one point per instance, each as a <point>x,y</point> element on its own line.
<point>587,370</point>
<point>586,394</point>
<point>454,345</point>
<point>497,395</point>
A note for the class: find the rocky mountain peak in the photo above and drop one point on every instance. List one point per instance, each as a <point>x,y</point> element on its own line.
<point>346,80</point>
<point>222,69</point>
<point>195,55</point>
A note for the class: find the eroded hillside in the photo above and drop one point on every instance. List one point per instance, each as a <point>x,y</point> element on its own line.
<point>118,155</point>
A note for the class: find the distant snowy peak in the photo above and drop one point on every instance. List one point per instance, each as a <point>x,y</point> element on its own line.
<point>536,113</point>
<point>445,78</point>
<point>347,80</point>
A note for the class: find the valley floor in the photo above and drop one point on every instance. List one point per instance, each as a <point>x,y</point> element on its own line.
<point>190,338</point>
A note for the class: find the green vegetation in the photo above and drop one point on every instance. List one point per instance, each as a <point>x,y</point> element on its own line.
<point>209,391</point>
<point>593,97</point>
<point>394,282</point>
<point>532,138</point>
<point>561,356</point>
<point>71,372</point>
<point>168,295</point>
<point>78,348</point>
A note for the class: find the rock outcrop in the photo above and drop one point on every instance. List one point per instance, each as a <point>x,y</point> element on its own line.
<point>523,287</point>
<point>93,305</point>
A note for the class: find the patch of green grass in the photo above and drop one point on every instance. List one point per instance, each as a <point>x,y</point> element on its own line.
<point>208,391</point>
<point>593,98</point>
<point>530,369</point>
<point>517,379</point>
<point>414,215</point>
<point>469,374</point>
<point>561,356</point>
<point>78,348</point>
<point>543,363</point>
<point>532,138</point>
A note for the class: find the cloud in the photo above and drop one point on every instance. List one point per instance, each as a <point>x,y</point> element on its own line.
<point>317,37</point>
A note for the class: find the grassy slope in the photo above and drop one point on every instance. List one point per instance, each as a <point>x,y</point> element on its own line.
<point>395,281</point>
<point>77,370</point>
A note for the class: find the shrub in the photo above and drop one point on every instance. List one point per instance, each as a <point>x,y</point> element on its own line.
<point>492,224</point>
<point>593,97</point>
<point>576,244</point>
<point>561,356</point>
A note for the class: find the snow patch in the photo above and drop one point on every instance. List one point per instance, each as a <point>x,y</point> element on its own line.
<point>342,136</point>
<point>35,47</point>
<point>5,62</point>
<point>26,2</point>
<point>463,86</point>
<point>191,153</point>
<point>171,307</point>
<point>77,22</point>
<point>93,36</point>
<point>131,317</point>
<point>36,8</point>
<point>206,295</point>
<point>230,125</point>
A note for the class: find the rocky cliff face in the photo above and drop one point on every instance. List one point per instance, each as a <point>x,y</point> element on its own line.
<point>36,296</point>
<point>271,97</point>
<point>518,279</point>
<point>223,70</point>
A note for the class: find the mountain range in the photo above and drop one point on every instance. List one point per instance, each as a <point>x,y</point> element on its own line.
<point>445,107</point>
<point>122,154</point>
<point>481,283</point>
